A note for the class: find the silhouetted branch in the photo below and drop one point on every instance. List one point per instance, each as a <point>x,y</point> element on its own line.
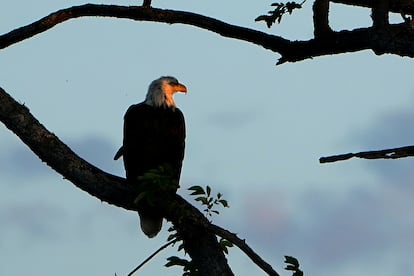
<point>376,154</point>
<point>199,242</point>
<point>151,256</point>
<point>245,248</point>
<point>380,13</point>
<point>321,18</point>
<point>397,6</point>
<point>397,39</point>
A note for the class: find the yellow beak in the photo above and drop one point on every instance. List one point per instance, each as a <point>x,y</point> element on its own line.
<point>180,88</point>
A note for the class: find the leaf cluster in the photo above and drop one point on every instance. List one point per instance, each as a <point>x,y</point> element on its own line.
<point>293,265</point>
<point>156,181</point>
<point>204,196</point>
<point>281,9</point>
<point>188,267</point>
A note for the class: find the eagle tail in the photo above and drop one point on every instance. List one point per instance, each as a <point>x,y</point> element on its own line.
<point>150,225</point>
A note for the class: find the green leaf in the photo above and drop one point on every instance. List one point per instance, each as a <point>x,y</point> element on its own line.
<point>208,190</point>
<point>292,260</point>
<point>174,260</point>
<point>197,190</point>
<point>140,197</point>
<point>224,203</point>
<point>293,265</point>
<point>202,199</point>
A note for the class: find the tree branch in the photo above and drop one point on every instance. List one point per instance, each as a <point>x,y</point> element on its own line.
<point>245,248</point>
<point>380,13</point>
<point>397,39</point>
<point>321,18</point>
<point>199,242</point>
<point>397,6</point>
<point>376,154</point>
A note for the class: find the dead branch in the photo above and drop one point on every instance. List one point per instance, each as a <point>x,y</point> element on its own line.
<point>376,154</point>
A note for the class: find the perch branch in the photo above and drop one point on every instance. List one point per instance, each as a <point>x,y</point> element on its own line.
<point>196,231</point>
<point>376,154</point>
<point>198,241</point>
<point>397,39</point>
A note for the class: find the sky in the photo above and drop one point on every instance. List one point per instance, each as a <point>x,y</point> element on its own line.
<point>255,132</point>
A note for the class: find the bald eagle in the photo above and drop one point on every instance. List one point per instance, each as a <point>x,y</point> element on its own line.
<point>154,136</point>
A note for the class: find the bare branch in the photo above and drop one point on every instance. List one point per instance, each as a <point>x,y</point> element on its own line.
<point>321,18</point>
<point>376,154</point>
<point>199,242</point>
<point>397,39</point>
<point>397,6</point>
<point>245,248</point>
<point>146,3</point>
<point>380,13</point>
<point>151,256</point>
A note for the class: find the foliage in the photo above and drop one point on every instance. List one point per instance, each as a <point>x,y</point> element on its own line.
<point>155,182</point>
<point>293,265</point>
<point>207,200</point>
<point>188,267</point>
<point>204,196</point>
<point>276,15</point>
<point>225,244</point>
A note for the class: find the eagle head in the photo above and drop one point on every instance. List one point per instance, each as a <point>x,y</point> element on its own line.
<point>160,92</point>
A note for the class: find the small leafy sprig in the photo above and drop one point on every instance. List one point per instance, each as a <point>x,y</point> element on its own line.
<point>206,199</point>
<point>188,267</point>
<point>225,244</point>
<point>293,265</point>
<point>281,9</point>
<point>156,181</point>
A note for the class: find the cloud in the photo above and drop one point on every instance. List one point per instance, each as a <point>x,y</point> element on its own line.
<point>18,161</point>
<point>361,231</point>
<point>231,120</point>
<point>331,234</point>
<point>34,220</point>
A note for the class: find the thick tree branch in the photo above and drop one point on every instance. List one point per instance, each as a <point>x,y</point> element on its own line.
<point>199,242</point>
<point>397,6</point>
<point>397,39</point>
<point>376,154</point>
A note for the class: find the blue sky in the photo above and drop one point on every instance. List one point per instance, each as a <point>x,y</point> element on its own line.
<point>255,133</point>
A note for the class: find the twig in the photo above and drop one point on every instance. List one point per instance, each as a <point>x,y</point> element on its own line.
<point>376,154</point>
<point>245,248</point>
<point>152,256</point>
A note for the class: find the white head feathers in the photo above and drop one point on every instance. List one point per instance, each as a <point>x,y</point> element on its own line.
<point>161,91</point>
